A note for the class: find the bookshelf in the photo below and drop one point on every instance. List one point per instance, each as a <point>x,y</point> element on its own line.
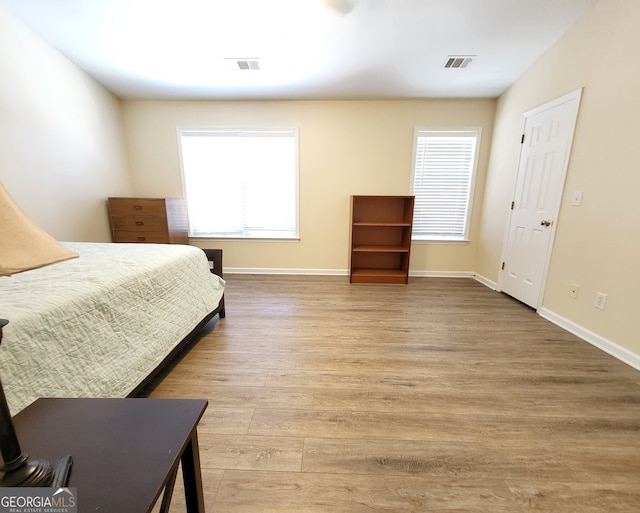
<point>380,239</point>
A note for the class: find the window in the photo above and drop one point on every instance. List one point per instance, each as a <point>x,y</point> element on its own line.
<point>241,183</point>
<point>443,178</point>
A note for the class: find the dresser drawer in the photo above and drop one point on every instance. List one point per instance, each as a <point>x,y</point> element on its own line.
<point>137,206</point>
<point>140,223</point>
<point>149,237</point>
<point>153,220</point>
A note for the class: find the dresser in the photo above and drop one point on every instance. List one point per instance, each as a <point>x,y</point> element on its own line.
<point>149,220</point>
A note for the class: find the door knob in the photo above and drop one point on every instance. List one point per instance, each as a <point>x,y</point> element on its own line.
<point>546,222</point>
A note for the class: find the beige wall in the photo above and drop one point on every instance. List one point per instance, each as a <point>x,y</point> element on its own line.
<point>346,147</point>
<point>597,244</point>
<point>61,146</point>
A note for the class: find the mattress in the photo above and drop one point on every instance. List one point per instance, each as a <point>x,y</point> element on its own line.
<point>96,326</point>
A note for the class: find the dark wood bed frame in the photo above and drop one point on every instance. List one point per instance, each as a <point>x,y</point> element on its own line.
<point>215,263</point>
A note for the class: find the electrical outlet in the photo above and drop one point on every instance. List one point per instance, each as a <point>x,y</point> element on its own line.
<point>601,300</point>
<point>573,291</point>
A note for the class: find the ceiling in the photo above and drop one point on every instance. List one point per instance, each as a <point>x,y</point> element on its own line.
<point>304,49</point>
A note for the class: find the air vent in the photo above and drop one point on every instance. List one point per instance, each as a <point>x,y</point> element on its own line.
<point>245,64</point>
<point>458,61</point>
<point>248,64</point>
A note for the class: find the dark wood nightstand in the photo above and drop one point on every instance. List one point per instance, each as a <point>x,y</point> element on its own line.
<point>125,451</point>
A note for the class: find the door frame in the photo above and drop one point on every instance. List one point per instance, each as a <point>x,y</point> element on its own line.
<point>572,96</point>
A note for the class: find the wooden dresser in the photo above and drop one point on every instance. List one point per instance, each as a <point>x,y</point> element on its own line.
<point>150,220</point>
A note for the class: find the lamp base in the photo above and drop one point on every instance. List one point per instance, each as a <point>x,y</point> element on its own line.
<point>38,473</point>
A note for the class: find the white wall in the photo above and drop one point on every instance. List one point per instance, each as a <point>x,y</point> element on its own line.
<point>61,145</point>
<point>346,147</point>
<point>597,245</point>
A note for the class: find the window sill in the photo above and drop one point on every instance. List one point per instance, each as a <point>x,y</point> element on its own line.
<point>246,239</point>
<point>440,241</point>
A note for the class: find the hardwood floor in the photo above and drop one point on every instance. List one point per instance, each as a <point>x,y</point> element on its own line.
<point>441,395</point>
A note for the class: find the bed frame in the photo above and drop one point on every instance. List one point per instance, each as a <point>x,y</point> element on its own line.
<point>215,264</point>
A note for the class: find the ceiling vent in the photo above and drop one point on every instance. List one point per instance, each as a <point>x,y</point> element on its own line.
<point>458,61</point>
<point>243,64</point>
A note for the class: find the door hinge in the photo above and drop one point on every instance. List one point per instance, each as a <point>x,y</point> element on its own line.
<point>522,139</point>
<point>513,205</point>
<point>502,266</point>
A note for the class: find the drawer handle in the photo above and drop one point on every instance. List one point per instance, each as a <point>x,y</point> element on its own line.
<point>141,238</point>
<point>137,207</point>
<point>139,223</point>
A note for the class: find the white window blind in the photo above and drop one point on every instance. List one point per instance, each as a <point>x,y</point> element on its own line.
<point>444,173</point>
<point>241,183</point>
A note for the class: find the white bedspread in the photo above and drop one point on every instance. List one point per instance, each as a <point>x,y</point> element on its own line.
<point>97,325</point>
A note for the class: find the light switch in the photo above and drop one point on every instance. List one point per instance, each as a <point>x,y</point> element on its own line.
<point>576,199</point>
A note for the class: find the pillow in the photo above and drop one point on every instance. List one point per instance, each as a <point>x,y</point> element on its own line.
<point>23,244</point>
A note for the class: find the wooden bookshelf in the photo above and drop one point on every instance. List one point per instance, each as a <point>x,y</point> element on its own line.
<point>380,239</point>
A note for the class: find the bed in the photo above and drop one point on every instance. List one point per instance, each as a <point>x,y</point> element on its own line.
<point>103,324</point>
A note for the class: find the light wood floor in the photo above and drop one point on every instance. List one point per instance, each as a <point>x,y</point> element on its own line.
<point>441,395</point>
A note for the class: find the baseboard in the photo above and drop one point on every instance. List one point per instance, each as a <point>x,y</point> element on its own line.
<point>619,352</point>
<point>286,271</point>
<point>486,281</point>
<point>341,272</point>
<point>441,274</point>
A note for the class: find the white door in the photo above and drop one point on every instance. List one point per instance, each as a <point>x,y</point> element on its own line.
<point>544,157</point>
